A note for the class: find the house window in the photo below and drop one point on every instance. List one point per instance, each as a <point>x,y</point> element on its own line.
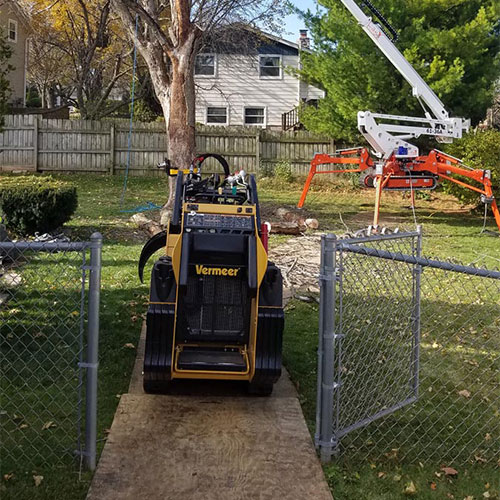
<point>217,116</point>
<point>270,66</point>
<point>255,116</point>
<point>12,31</point>
<point>204,65</point>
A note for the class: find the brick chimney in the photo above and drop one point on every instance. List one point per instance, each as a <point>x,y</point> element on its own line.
<point>304,40</point>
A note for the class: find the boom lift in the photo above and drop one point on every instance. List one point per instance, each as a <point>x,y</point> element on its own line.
<point>396,164</point>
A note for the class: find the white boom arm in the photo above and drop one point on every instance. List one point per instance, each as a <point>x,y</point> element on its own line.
<point>387,138</point>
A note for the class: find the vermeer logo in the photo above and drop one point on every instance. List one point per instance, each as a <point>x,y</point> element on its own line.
<point>216,271</point>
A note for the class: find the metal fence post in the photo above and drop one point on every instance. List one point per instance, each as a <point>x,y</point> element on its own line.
<point>92,350</point>
<point>327,331</point>
<point>319,369</point>
<point>417,272</point>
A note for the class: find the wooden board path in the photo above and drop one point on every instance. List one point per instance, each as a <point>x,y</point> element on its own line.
<point>208,441</point>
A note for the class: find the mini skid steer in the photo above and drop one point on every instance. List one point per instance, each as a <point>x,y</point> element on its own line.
<point>215,308</point>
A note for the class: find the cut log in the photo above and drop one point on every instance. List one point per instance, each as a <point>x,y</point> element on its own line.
<point>149,226</point>
<point>285,228</point>
<point>311,223</point>
<point>289,216</point>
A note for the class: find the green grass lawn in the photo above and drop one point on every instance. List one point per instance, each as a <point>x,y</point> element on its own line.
<point>449,232</point>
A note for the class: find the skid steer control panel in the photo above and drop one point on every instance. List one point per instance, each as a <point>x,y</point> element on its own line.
<point>216,221</point>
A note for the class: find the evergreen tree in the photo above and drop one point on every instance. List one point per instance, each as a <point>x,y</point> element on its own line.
<point>454,45</point>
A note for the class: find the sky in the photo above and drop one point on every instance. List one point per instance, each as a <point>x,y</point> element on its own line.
<point>293,23</point>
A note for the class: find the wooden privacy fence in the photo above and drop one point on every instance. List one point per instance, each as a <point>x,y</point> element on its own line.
<point>77,146</point>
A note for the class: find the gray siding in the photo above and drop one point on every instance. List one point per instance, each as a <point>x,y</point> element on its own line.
<point>237,85</point>
<point>18,58</point>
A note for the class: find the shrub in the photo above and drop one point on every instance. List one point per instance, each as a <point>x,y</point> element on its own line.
<point>32,203</point>
<point>480,149</point>
<point>283,171</point>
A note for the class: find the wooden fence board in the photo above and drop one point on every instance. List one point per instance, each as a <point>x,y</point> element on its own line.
<point>58,145</point>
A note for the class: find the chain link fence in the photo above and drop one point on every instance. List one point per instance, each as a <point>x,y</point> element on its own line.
<point>49,307</point>
<point>409,354</point>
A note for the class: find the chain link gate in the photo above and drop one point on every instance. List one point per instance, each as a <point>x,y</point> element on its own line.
<point>401,339</point>
<point>49,327</point>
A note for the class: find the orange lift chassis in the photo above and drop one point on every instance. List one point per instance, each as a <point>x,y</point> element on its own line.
<point>396,164</point>
<point>422,172</point>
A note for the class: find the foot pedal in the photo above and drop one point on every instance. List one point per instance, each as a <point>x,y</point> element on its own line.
<point>211,360</point>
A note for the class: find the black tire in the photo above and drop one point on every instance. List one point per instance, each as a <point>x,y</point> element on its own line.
<point>262,389</point>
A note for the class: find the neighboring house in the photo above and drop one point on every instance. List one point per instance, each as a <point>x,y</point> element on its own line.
<point>14,25</point>
<point>252,87</point>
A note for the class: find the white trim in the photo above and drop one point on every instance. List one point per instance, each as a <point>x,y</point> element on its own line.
<point>263,124</point>
<point>280,76</point>
<point>215,65</point>
<point>16,30</point>
<point>218,123</point>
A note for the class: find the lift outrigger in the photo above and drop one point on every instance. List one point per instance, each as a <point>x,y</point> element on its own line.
<point>397,165</point>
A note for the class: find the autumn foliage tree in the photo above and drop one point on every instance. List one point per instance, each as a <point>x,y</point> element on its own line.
<point>77,53</point>
<point>168,35</point>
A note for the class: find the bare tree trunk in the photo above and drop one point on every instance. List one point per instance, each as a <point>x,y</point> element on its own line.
<point>170,59</point>
<point>180,115</point>
<point>181,121</point>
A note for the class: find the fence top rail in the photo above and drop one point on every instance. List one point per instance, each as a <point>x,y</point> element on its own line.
<point>420,261</point>
<point>379,237</point>
<point>61,246</point>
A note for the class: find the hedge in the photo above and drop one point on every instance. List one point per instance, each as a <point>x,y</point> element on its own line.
<point>478,149</point>
<point>32,204</point>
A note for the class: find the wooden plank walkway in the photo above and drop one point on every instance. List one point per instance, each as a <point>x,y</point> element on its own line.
<point>209,441</point>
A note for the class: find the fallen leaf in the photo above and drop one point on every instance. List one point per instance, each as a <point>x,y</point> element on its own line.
<point>23,426</point>
<point>438,474</point>
<point>449,495</point>
<point>38,480</point>
<point>487,437</point>
<point>381,475</point>
<point>486,494</point>
<point>487,486</point>
<point>449,471</point>
<point>48,425</point>
<point>410,489</point>
<point>480,459</point>
<point>129,345</point>
<point>469,497</point>
<point>393,453</point>
<point>396,477</point>
<point>8,477</point>
<point>464,393</point>
<point>433,486</point>
<point>373,466</point>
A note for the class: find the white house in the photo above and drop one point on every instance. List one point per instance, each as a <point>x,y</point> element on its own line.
<point>15,27</point>
<point>251,88</point>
